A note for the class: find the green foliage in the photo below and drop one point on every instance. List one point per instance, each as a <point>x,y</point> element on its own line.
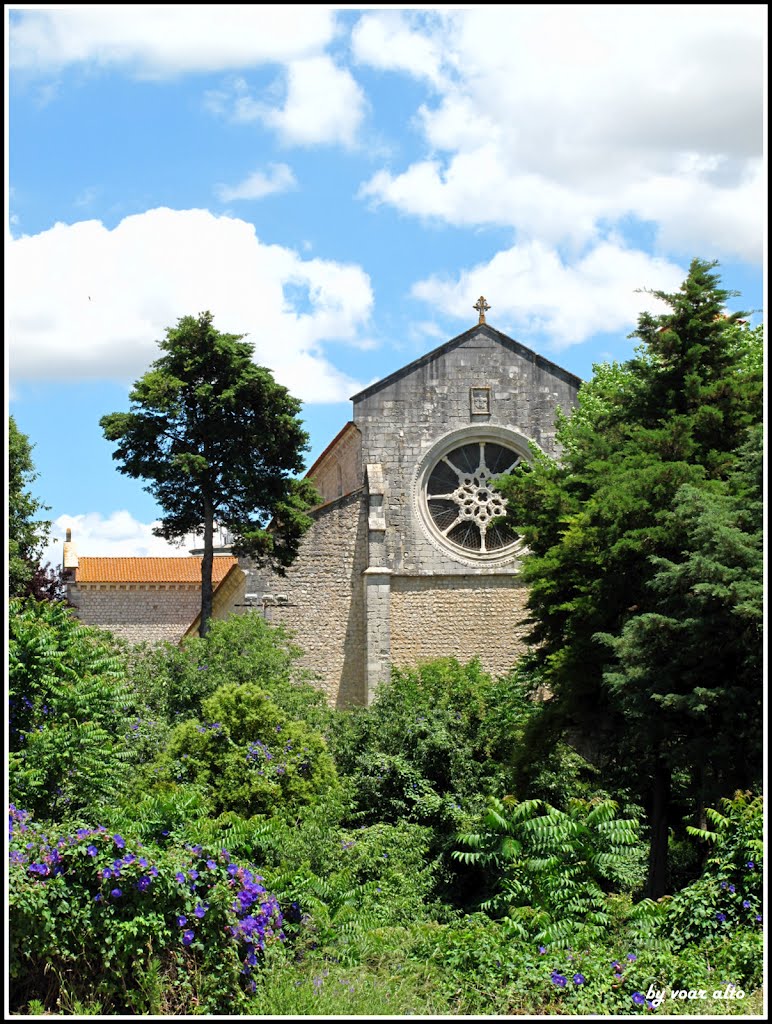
<point>219,440</point>
<point>551,869</point>
<point>69,708</point>
<point>26,534</point>
<point>428,749</point>
<point>729,894</point>
<point>695,659</point>
<point>140,929</point>
<point>246,754</point>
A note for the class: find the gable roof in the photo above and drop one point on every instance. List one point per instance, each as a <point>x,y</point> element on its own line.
<point>186,569</point>
<point>503,339</point>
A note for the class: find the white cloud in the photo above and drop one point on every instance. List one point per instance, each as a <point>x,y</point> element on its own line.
<point>535,294</point>
<point>85,301</point>
<point>117,535</point>
<point>387,42</point>
<point>259,184</point>
<point>563,121</point>
<point>155,40</point>
<point>323,104</point>
<point>313,102</point>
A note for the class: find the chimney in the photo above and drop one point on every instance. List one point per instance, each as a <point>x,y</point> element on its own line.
<point>69,556</point>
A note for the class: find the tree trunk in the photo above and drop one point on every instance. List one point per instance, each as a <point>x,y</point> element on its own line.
<point>206,569</point>
<point>660,805</point>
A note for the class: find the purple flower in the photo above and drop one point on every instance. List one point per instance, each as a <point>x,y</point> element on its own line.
<point>119,841</point>
<point>188,936</point>
<point>180,877</point>
<point>579,979</point>
<point>116,894</point>
<point>723,885</point>
<point>720,917</point>
<point>638,999</point>
<point>758,918</point>
<point>200,910</point>
<point>558,979</point>
<point>143,883</point>
<point>746,905</point>
<point>542,949</point>
<point>107,873</point>
<point>750,865</point>
<point>211,865</point>
<point>98,898</point>
<point>143,862</point>
<point>731,888</point>
<point>92,851</point>
<point>193,875</point>
<point>182,920</point>
<point>632,957</point>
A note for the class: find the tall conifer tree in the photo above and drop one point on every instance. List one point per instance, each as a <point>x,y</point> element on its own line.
<point>611,541</point>
<point>220,441</point>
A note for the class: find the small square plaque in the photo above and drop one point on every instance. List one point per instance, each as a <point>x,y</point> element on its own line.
<point>480,401</point>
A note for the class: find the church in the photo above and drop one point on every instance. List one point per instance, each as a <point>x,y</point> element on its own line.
<point>407,558</point>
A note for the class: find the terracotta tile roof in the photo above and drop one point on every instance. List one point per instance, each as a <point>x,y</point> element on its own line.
<point>186,569</point>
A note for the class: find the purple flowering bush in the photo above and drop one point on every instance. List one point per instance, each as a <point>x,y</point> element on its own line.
<point>93,916</point>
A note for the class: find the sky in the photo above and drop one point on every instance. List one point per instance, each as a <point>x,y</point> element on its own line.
<point>340,185</point>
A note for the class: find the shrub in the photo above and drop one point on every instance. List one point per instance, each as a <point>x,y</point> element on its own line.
<point>431,746</point>
<point>246,755</point>
<point>96,916</point>
<point>729,893</point>
<point>69,712</point>
<point>551,869</point>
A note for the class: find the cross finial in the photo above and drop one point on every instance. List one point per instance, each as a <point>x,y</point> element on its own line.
<point>481,306</point>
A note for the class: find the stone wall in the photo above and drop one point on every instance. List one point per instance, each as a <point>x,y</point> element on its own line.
<point>453,616</point>
<point>138,613</point>
<point>321,598</point>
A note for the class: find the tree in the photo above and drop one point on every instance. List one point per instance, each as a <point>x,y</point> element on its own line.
<point>220,441</point>
<point>624,605</point>
<point>26,534</point>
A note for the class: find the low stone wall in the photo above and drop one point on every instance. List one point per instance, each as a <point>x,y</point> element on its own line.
<point>138,613</point>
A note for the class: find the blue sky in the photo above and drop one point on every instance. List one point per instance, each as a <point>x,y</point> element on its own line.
<point>340,185</point>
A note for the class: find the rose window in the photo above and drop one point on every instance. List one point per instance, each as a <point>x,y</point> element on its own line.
<point>462,499</point>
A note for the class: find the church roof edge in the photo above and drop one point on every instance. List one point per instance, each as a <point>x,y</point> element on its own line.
<point>484,328</point>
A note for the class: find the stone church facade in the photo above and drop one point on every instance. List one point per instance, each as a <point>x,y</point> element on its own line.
<point>407,558</point>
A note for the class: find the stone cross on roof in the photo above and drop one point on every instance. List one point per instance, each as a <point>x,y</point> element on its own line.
<point>481,306</point>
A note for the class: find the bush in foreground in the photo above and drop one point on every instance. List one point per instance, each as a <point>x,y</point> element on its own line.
<point>139,929</point>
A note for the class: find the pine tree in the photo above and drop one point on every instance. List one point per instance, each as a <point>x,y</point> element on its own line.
<point>220,441</point>
<point>605,524</point>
